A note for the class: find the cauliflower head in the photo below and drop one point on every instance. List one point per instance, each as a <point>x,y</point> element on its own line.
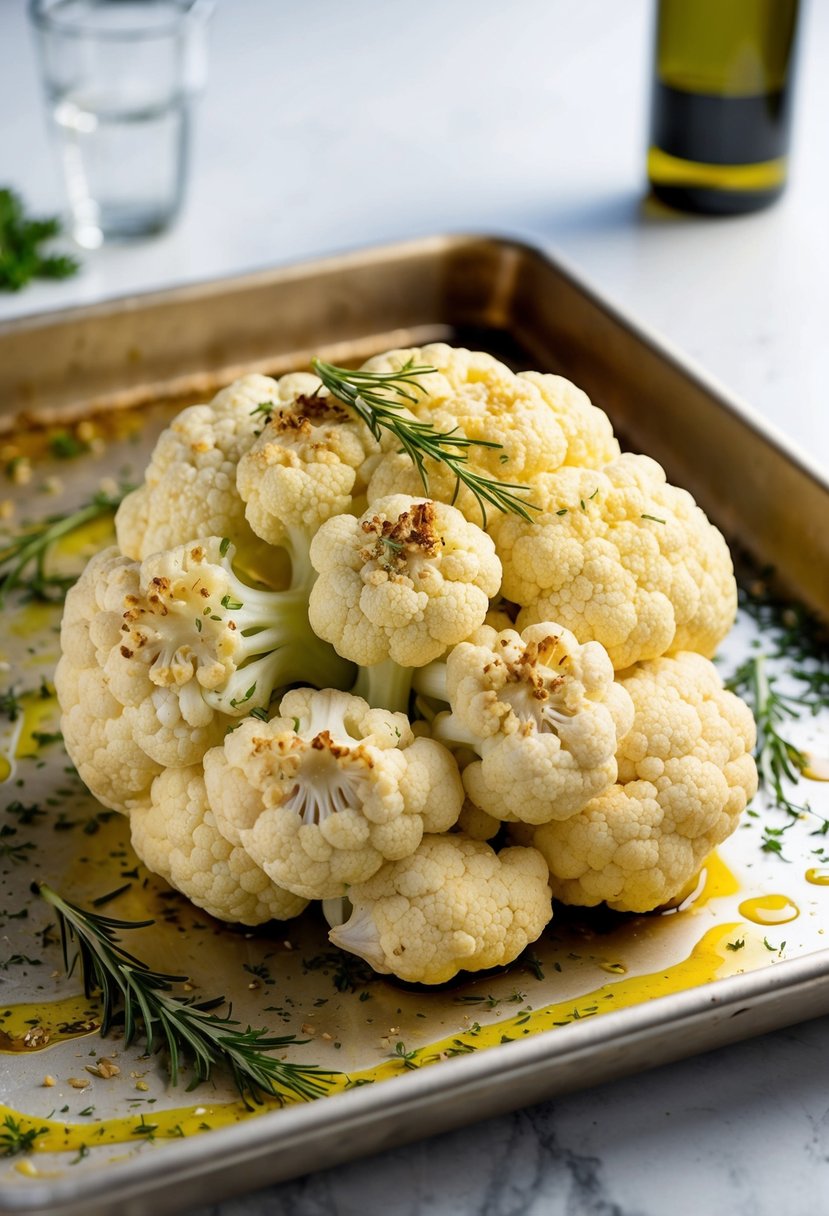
<point>686,774</point>
<point>620,557</point>
<point>544,715</point>
<point>325,793</point>
<point>176,836</point>
<point>308,464</point>
<point>455,904</point>
<point>404,581</point>
<point>189,487</point>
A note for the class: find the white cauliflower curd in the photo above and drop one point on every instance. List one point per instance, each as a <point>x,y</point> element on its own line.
<point>454,905</point>
<point>363,626</point>
<point>686,774</point>
<point>621,557</point>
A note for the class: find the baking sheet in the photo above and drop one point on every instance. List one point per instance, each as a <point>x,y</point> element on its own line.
<point>579,1008</point>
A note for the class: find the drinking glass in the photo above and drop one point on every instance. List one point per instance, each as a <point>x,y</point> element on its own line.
<point>120,78</point>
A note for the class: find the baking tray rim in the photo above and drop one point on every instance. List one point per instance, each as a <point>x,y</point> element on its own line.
<point>440,243</point>
<point>366,1105</point>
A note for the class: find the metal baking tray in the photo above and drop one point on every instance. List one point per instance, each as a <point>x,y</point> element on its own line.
<point>148,355</point>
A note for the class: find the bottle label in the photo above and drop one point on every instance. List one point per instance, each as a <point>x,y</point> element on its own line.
<point>720,130</point>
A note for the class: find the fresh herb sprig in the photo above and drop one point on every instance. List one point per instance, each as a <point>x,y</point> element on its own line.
<point>23,560</point>
<point>14,1140</point>
<point>131,991</point>
<point>780,764</point>
<point>379,399</point>
<point>21,238</point>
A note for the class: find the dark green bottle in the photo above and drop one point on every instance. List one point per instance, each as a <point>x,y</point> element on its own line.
<point>722,103</point>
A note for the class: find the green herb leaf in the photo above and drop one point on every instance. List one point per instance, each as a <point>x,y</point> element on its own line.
<point>21,238</point>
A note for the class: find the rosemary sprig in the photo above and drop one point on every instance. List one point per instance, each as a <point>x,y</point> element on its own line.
<point>379,399</point>
<point>14,1140</point>
<point>779,763</point>
<point>23,559</point>
<point>131,991</point>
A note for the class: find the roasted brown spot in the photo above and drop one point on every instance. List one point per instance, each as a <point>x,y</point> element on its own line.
<point>413,532</point>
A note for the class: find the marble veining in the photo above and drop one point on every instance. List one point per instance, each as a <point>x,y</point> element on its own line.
<point>739,1132</point>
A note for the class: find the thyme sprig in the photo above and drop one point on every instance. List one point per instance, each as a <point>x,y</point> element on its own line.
<point>132,992</point>
<point>23,560</point>
<point>379,399</point>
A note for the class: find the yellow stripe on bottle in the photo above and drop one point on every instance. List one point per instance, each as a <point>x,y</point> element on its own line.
<point>667,170</point>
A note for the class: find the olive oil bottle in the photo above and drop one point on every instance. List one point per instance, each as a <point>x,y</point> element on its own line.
<point>722,102</point>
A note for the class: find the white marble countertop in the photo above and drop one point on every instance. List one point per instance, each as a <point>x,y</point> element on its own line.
<point>328,126</point>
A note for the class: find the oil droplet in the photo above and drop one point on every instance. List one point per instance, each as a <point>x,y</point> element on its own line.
<point>816,768</point>
<point>818,876</point>
<point>769,909</point>
<point>5,768</point>
<point>614,968</point>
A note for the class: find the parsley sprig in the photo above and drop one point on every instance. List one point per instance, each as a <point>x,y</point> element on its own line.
<point>21,238</point>
<point>380,399</point>
<point>23,559</point>
<point>132,992</point>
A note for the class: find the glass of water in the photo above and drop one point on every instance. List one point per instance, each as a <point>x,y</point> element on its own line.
<point>120,77</point>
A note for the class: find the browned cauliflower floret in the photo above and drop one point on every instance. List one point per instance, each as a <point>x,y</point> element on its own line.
<point>325,793</point>
<point>404,581</point>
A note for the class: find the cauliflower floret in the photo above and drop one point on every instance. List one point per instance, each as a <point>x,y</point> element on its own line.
<point>159,656</point>
<point>686,773</point>
<point>404,581</point>
<point>590,439</point>
<point>176,836</point>
<point>453,905</point>
<point>101,734</point>
<point>473,396</point>
<point>621,557</point>
<point>325,793</point>
<point>189,487</point>
<point>308,464</point>
<point>541,711</point>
